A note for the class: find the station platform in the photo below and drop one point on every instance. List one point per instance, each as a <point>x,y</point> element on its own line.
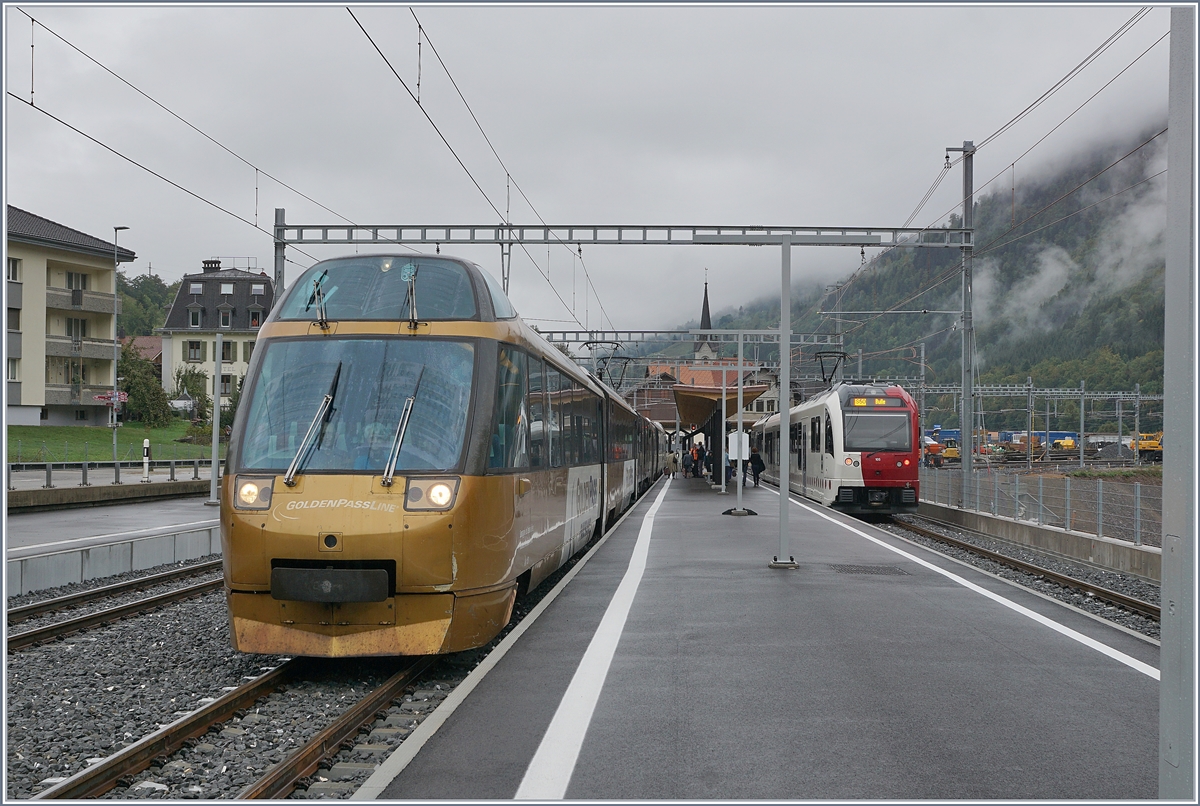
<point>877,670</point>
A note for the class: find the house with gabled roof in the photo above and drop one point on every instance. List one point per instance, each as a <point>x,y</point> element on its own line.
<point>61,286</point>
<point>232,302</point>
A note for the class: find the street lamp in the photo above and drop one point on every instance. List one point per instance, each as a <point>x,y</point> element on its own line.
<point>116,358</point>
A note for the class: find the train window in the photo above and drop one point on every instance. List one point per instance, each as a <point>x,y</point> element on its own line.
<point>591,428</point>
<point>828,435</point>
<point>510,437</point>
<point>500,302</point>
<point>814,444</point>
<point>370,380</point>
<point>878,432</point>
<point>554,434</point>
<point>537,421</point>
<point>375,287</point>
<point>568,421</point>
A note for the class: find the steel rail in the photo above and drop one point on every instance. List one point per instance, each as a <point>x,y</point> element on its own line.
<point>280,780</point>
<point>19,614</point>
<point>1121,600</point>
<point>104,775</point>
<point>24,639</point>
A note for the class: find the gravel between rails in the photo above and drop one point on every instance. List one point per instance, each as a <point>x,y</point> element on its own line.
<point>87,695</point>
<point>1121,583</point>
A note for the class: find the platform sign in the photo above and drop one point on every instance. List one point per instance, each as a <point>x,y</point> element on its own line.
<point>122,397</point>
<point>739,449</point>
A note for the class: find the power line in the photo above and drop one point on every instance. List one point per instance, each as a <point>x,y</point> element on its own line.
<point>150,171</point>
<point>507,172</point>
<point>452,151</point>
<point>193,127</point>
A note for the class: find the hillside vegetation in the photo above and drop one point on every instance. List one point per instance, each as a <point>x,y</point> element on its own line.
<point>1069,287</point>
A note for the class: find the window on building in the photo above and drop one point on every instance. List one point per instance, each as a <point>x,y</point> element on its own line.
<point>14,366</point>
<point>229,351</point>
<point>81,414</point>
<point>77,280</point>
<point>226,385</point>
<point>14,318</point>
<point>44,414</point>
<point>14,269</point>
<point>196,288</point>
<point>247,346</point>
<point>77,328</point>
<point>194,317</point>
<point>195,351</point>
<point>255,318</point>
<point>226,288</point>
<point>226,318</point>
<point>258,288</point>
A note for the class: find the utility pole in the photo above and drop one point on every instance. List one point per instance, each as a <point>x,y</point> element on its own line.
<point>967,443</point>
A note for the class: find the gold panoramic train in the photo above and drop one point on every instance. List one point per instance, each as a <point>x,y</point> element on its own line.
<point>407,458</point>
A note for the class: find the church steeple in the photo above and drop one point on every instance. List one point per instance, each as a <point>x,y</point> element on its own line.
<point>704,350</point>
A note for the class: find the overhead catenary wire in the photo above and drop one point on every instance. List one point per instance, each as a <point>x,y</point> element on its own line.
<point>257,169</point>
<point>507,173</point>
<point>452,151</point>
<point>1062,82</point>
<point>150,171</point>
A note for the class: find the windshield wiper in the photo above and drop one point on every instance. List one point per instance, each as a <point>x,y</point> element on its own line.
<point>324,412</point>
<point>401,427</point>
<point>318,296</point>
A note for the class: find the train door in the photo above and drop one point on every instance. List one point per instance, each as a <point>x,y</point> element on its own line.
<point>539,450</point>
<point>814,449</point>
<point>509,457</point>
<point>804,456</point>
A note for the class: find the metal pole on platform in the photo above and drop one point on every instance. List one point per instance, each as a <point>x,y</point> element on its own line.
<point>740,459</point>
<point>785,559</point>
<point>724,441</point>
<point>216,426</point>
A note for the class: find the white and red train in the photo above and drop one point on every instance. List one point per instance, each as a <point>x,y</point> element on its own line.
<point>854,447</point>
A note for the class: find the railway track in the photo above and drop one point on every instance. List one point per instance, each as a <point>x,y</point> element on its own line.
<point>1112,597</point>
<point>18,614</point>
<point>280,780</point>
<point>89,620</point>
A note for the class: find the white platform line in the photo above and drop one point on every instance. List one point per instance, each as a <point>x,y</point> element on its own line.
<point>550,770</point>
<point>396,763</point>
<point>1104,649</point>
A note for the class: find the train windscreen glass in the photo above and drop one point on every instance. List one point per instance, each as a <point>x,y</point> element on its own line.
<point>369,381</point>
<point>878,432</point>
<point>375,287</point>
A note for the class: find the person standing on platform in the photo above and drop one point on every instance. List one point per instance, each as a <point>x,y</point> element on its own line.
<point>672,464</point>
<point>757,465</point>
<point>700,456</point>
<point>688,462</point>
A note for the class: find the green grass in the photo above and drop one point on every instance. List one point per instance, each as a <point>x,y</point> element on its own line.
<point>68,443</point>
<point>1146,474</point>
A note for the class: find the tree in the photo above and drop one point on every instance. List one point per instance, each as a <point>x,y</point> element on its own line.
<point>193,380</point>
<point>144,303</point>
<point>147,401</point>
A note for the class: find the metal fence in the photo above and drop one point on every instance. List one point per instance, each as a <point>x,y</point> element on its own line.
<point>1120,510</point>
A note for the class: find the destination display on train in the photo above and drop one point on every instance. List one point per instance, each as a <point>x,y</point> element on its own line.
<point>869,402</point>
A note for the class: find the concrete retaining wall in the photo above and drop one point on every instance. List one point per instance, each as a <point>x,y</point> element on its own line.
<point>51,570</point>
<point>1102,552</point>
<point>102,494</point>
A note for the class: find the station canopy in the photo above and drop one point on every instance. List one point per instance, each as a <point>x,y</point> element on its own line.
<point>698,403</point>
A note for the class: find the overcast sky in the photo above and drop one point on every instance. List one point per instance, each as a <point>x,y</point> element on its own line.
<point>688,115</point>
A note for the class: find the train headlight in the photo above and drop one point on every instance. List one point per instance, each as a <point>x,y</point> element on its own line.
<point>849,461</point>
<point>252,493</point>
<point>430,494</point>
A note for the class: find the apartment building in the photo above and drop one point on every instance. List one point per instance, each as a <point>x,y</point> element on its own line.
<point>232,302</point>
<point>61,287</point>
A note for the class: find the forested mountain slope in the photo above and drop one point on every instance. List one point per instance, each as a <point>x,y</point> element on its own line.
<point>1068,268</point>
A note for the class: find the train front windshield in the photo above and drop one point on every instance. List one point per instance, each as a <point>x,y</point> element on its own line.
<point>878,432</point>
<point>368,382</point>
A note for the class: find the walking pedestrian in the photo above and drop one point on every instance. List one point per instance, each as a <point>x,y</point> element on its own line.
<point>700,463</point>
<point>689,462</point>
<point>672,464</point>
<point>757,465</point>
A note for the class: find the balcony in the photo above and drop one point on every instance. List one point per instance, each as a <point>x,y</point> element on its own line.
<point>65,394</point>
<point>65,299</point>
<point>68,347</point>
